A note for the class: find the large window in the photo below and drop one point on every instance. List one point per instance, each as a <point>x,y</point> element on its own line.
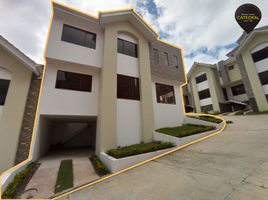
<point>78,36</point>
<point>238,89</point>
<point>165,93</point>
<point>175,60</point>
<point>203,94</point>
<point>260,55</point>
<point>231,67</point>
<point>166,61</point>
<point>201,78</point>
<point>4,84</point>
<point>127,48</point>
<point>128,87</point>
<point>264,77</point>
<point>73,81</point>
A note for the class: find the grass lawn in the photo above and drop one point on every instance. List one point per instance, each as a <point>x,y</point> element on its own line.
<point>257,113</point>
<point>65,176</point>
<point>185,130</point>
<point>136,149</point>
<point>99,167</point>
<point>207,118</point>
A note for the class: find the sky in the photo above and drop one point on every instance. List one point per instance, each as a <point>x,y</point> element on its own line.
<point>205,29</point>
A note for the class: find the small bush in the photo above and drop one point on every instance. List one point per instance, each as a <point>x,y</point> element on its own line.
<point>99,167</point>
<point>185,130</point>
<point>65,176</point>
<point>138,149</point>
<point>208,119</point>
<point>11,189</point>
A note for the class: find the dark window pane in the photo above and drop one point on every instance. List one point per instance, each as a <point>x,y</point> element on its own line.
<point>127,48</point>
<point>225,94</point>
<point>264,77</point>
<point>260,55</point>
<point>231,67</point>
<point>78,36</point>
<point>203,94</point>
<point>128,87</point>
<point>175,61</point>
<point>238,89</point>
<point>156,56</point>
<point>4,84</point>
<point>206,108</point>
<point>73,81</point>
<point>201,78</point>
<point>166,58</point>
<point>165,93</point>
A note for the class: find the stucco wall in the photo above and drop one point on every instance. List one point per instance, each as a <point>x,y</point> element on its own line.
<point>252,71</point>
<point>4,74</point>
<point>12,113</point>
<point>234,74</point>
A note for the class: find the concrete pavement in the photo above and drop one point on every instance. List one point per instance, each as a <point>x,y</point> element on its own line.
<point>229,166</point>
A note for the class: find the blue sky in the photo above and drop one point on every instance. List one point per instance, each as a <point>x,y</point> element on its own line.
<point>205,29</point>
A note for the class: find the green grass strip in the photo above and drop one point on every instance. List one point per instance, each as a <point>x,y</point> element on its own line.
<point>185,130</point>
<point>65,176</point>
<point>99,167</point>
<point>136,149</point>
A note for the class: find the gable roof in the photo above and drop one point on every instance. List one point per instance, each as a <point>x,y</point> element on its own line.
<point>18,54</point>
<point>194,66</point>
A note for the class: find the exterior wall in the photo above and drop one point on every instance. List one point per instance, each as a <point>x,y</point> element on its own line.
<point>257,88</point>
<point>129,130</point>
<point>240,98</point>
<point>160,69</point>
<point>167,115</point>
<point>213,88</point>
<point>28,121</point>
<point>14,107</point>
<point>106,125</point>
<point>61,50</point>
<point>68,102</point>
<point>234,74</point>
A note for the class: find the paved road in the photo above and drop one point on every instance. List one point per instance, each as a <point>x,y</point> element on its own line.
<point>232,165</point>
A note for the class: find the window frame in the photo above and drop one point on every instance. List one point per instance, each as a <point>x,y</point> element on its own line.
<point>135,91</point>
<point>3,101</point>
<point>123,51</point>
<point>204,94</point>
<point>176,61</point>
<point>89,89</point>
<point>156,55</point>
<point>166,59</point>
<point>200,78</point>
<point>231,67</point>
<point>236,92</point>
<point>260,54</point>
<point>85,37</point>
<point>173,101</point>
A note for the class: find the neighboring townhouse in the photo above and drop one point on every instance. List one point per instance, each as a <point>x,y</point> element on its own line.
<point>109,81</point>
<point>19,89</point>
<point>232,84</point>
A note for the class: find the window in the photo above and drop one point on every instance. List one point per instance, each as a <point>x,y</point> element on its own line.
<point>78,36</point>
<point>264,77</point>
<point>238,89</point>
<point>230,67</point>
<point>206,108</point>
<point>128,87</point>
<point>165,94</point>
<point>127,48</point>
<point>260,55</point>
<point>201,78</point>
<point>175,60</point>
<point>166,58</point>
<point>225,94</point>
<point>73,81</point>
<point>4,84</point>
<point>156,55</point>
<point>203,94</point>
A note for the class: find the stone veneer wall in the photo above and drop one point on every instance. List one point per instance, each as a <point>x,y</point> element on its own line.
<point>28,120</point>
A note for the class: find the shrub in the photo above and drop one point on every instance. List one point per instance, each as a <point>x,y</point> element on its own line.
<point>12,187</point>
<point>99,167</point>
<point>138,149</point>
<point>65,176</point>
<point>185,130</point>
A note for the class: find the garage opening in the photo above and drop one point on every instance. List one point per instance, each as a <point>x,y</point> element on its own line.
<point>67,135</point>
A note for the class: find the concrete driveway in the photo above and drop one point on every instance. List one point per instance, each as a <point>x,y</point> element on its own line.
<point>232,165</point>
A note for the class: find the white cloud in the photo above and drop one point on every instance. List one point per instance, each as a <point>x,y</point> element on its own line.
<point>191,24</point>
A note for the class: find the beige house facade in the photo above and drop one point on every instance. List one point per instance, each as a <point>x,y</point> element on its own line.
<point>238,82</point>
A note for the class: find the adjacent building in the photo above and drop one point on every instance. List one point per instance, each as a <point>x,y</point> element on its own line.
<point>109,81</point>
<point>19,89</point>
<point>235,83</point>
